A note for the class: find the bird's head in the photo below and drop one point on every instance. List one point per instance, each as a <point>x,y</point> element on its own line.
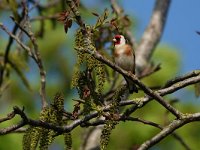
<point>119,40</point>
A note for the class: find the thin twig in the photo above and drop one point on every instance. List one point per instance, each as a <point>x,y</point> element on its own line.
<point>36,56</point>
<point>180,84</point>
<point>143,101</point>
<point>181,78</point>
<point>175,135</point>
<point>9,117</point>
<point>11,128</point>
<point>10,41</point>
<point>39,62</point>
<point>17,40</point>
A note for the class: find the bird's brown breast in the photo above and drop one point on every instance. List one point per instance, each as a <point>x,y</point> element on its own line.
<point>124,57</point>
<point>128,50</point>
<point>125,50</point>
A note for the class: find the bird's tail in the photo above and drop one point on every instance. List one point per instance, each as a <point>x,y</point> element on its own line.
<point>131,86</point>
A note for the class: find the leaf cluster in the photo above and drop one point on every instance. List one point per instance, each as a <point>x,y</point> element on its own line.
<point>42,136</point>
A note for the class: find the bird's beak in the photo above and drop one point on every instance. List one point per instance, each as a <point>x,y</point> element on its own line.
<point>114,40</point>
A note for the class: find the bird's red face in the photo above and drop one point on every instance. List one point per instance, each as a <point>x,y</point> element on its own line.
<point>117,39</point>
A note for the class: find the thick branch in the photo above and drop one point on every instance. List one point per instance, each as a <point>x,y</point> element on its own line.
<point>177,85</point>
<point>181,78</point>
<point>146,122</point>
<point>169,129</point>
<point>152,34</point>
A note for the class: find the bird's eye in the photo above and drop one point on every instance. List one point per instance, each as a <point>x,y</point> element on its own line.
<point>117,38</point>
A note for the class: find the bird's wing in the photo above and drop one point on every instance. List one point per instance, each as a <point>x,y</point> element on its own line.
<point>130,51</point>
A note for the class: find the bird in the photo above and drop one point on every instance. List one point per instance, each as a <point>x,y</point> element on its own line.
<point>124,57</point>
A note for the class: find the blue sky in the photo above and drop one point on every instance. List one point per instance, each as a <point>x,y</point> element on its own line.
<point>182,22</point>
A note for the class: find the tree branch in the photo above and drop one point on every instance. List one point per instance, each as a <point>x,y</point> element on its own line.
<point>122,118</point>
<point>9,117</point>
<point>170,129</point>
<point>152,34</point>
<point>140,102</point>
<point>181,78</point>
<point>12,128</point>
<point>17,40</point>
<point>35,55</point>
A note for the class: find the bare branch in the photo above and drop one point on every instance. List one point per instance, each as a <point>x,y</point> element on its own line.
<point>181,84</point>
<point>34,54</point>
<point>12,128</point>
<point>137,104</point>
<point>152,34</point>
<point>37,58</point>
<point>122,118</point>
<point>10,41</point>
<point>140,102</point>
<point>170,129</point>
<point>20,130</point>
<point>9,116</point>
<point>181,78</point>
<point>8,47</point>
<point>91,138</point>
<point>17,40</point>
